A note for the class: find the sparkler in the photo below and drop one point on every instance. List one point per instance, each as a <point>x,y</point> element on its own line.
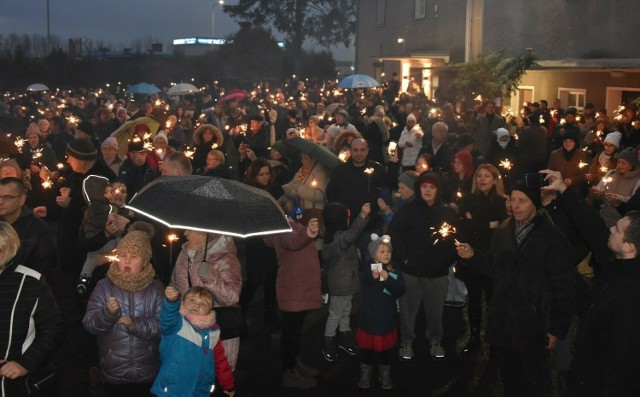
<point>604,170</point>
<point>113,257</point>
<point>506,164</point>
<point>47,184</point>
<point>343,156</point>
<point>189,152</point>
<point>582,164</point>
<point>19,142</point>
<point>171,238</point>
<point>369,172</point>
<point>444,231</point>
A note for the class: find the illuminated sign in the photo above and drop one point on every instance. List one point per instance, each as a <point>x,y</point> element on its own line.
<point>199,40</point>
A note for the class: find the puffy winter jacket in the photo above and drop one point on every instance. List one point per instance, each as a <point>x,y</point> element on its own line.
<point>192,358</point>
<point>126,356</point>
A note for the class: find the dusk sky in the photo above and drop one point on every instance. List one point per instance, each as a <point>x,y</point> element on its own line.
<point>119,22</point>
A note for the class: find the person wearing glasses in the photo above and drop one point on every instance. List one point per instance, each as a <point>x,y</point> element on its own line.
<point>37,245</point>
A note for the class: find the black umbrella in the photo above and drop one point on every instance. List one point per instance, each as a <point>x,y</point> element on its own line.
<point>323,155</point>
<point>211,205</point>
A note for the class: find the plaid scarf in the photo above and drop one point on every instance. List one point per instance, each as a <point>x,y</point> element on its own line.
<point>521,230</point>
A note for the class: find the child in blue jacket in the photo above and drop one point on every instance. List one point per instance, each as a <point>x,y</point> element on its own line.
<point>191,351</point>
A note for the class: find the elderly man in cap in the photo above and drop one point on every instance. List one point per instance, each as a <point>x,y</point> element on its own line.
<point>533,284</point>
<point>137,169</point>
<point>618,185</point>
<point>340,125</point>
<point>607,347</point>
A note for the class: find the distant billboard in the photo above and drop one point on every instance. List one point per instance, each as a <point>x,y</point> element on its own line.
<point>199,40</point>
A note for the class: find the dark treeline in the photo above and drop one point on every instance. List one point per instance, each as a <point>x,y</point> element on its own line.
<point>252,55</point>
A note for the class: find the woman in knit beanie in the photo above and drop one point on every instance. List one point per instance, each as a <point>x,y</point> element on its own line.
<point>123,313</point>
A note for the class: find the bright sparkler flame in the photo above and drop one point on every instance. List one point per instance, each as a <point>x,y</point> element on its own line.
<point>444,231</point>
<point>20,143</point>
<point>113,257</point>
<point>369,171</point>
<point>314,183</point>
<point>172,237</point>
<point>189,152</point>
<point>582,164</point>
<point>604,169</point>
<point>506,164</point>
<point>47,184</point>
<point>343,156</point>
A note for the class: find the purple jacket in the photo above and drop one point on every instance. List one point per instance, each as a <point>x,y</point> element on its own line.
<point>126,356</point>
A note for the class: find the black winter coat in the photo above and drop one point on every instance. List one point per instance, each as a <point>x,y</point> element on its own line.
<point>533,286</point>
<point>36,242</point>
<point>27,306</point>
<point>349,185</point>
<point>413,233</point>
<point>607,348</point>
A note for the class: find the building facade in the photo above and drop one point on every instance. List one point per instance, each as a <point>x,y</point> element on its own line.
<point>586,49</point>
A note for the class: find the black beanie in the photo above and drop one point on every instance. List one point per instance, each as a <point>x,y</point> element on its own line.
<point>532,192</point>
<point>82,149</point>
<point>336,216</point>
<point>86,127</point>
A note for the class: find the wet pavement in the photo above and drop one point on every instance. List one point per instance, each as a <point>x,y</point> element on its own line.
<point>259,367</point>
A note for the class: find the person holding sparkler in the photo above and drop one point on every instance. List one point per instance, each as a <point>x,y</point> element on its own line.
<point>533,291</point>
<point>571,162</point>
<point>618,185</point>
<point>424,250</point>
<point>480,213</point>
<point>605,159</point>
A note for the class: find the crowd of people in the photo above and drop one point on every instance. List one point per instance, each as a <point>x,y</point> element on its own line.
<point>427,207</point>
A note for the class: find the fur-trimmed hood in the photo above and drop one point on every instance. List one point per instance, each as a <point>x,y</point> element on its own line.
<point>342,139</point>
<point>197,134</point>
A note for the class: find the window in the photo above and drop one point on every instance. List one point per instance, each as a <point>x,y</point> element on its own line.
<point>381,9</point>
<point>420,9</point>
<point>572,97</point>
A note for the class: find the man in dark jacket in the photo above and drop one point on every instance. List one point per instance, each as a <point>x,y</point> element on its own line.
<point>356,182</point>
<point>137,170</point>
<point>424,257</point>
<point>82,156</point>
<point>486,124</point>
<point>607,347</point>
<point>533,283</point>
<point>36,243</point>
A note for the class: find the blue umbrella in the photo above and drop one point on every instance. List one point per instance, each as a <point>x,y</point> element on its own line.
<point>143,88</point>
<point>358,81</point>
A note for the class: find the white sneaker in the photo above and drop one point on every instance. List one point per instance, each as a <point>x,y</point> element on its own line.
<point>437,351</point>
<point>405,351</point>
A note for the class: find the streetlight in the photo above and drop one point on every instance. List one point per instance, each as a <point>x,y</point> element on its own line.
<point>48,31</point>
<point>213,18</point>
